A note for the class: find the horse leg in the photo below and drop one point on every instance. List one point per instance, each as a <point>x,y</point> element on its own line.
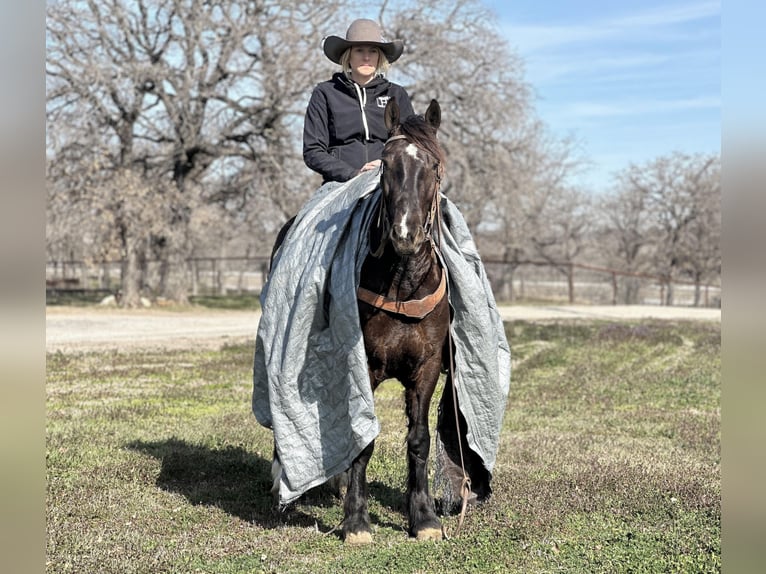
<point>456,456</point>
<point>424,524</point>
<point>276,476</point>
<point>338,484</point>
<point>356,520</point>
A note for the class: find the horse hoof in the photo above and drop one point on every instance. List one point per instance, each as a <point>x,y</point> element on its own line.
<point>358,538</point>
<point>430,534</point>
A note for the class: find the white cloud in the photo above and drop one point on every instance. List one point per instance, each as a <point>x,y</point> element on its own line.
<point>630,87</point>
<point>641,107</point>
<point>668,15</point>
<point>534,38</point>
<point>530,39</point>
<point>546,69</point>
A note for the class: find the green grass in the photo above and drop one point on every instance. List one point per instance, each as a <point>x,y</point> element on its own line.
<point>75,298</point>
<point>89,298</point>
<point>239,302</point>
<point>609,461</point>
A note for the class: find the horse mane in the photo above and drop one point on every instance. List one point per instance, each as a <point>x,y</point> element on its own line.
<point>423,135</point>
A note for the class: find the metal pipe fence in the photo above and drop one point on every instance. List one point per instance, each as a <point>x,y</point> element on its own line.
<point>535,281</point>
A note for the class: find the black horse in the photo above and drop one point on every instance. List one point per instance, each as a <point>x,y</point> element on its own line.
<point>403,308</point>
<point>404,316</point>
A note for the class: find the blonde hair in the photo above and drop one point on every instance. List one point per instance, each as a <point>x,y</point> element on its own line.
<point>383,64</point>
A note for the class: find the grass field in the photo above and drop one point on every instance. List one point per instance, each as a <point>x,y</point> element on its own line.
<point>609,461</point>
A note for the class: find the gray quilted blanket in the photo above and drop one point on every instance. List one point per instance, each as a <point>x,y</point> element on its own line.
<point>310,378</point>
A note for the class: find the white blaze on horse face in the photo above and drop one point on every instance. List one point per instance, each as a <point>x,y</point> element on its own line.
<point>402,227</point>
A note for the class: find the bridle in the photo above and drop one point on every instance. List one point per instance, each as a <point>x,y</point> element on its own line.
<point>415,308</point>
<point>433,213</point>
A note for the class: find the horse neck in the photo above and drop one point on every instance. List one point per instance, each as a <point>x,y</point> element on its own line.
<point>409,272</point>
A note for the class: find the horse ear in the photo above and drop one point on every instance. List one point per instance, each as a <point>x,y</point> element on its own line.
<point>391,114</point>
<point>434,114</point>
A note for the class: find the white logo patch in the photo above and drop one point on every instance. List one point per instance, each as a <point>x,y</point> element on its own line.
<point>381,101</point>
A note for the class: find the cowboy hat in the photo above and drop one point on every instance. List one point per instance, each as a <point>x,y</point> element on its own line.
<point>362,32</point>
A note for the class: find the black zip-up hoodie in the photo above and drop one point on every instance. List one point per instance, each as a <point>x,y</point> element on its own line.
<point>339,134</point>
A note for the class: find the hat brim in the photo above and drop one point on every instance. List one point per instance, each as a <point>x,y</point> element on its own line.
<point>334,46</point>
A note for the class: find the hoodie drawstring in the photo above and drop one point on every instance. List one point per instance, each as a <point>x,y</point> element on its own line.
<point>362,94</point>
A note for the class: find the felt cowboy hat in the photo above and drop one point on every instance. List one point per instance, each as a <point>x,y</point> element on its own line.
<point>362,31</point>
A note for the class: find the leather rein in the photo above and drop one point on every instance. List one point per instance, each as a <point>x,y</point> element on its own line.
<point>414,308</point>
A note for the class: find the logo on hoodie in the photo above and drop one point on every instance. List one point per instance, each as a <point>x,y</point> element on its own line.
<point>381,101</point>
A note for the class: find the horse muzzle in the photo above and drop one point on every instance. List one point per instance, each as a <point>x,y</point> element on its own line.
<point>405,242</point>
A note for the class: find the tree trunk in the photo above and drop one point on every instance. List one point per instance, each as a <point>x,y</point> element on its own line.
<point>632,289</point>
<point>669,294</point>
<point>176,277</point>
<point>131,275</point>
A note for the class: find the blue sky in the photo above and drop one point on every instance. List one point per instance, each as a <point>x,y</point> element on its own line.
<point>629,80</point>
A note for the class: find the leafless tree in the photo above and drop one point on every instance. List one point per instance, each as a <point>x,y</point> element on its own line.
<point>502,159</point>
<point>454,53</point>
<point>681,195</point>
<point>701,246</point>
<point>199,94</point>
<point>561,227</point>
<point>196,106</point>
<point>624,233</point>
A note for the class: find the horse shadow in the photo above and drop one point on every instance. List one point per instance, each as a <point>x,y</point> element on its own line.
<point>238,482</point>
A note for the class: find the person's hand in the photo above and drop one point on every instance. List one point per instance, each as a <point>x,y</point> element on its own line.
<point>370,165</point>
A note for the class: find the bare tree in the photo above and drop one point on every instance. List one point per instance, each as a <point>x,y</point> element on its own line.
<point>702,242</point>
<point>455,54</point>
<point>181,91</point>
<point>561,225</point>
<point>625,233</point>
<point>197,105</point>
<point>681,192</point>
<point>502,159</point>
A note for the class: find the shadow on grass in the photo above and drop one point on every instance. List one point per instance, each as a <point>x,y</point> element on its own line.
<point>238,482</point>
<point>230,478</point>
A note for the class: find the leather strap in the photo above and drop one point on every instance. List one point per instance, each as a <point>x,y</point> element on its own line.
<point>415,308</point>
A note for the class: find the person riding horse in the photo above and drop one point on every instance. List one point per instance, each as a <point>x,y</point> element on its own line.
<point>336,320</point>
<point>344,130</point>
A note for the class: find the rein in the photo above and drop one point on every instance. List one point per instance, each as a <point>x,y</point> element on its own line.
<point>465,483</point>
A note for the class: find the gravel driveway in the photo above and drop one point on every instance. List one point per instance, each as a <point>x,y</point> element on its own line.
<point>85,329</point>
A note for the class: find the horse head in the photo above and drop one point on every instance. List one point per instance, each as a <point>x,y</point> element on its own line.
<point>412,164</point>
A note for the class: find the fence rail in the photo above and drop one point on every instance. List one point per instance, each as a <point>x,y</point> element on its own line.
<point>583,283</point>
<point>517,281</point>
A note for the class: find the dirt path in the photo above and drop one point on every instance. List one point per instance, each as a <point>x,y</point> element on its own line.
<point>84,329</point>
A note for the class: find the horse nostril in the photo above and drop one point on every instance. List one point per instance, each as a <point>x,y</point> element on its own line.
<point>405,241</point>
